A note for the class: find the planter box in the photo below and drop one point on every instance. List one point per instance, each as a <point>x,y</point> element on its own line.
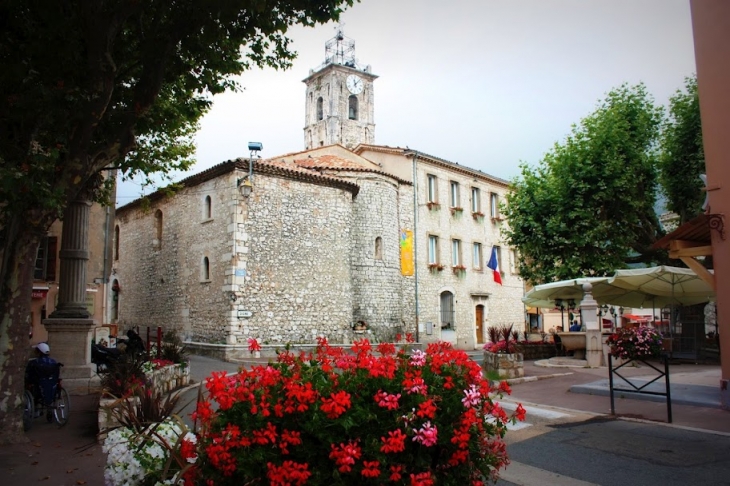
<point>165,380</point>
<point>537,351</point>
<point>506,365</point>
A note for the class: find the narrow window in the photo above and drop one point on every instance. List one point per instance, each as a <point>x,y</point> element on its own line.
<point>513,263</point>
<point>432,188</point>
<point>456,252</point>
<point>475,200</point>
<point>208,208</point>
<point>494,205</point>
<point>115,300</point>
<point>320,108</point>
<point>455,195</point>
<point>433,247</point>
<point>477,256</point>
<point>378,248</point>
<point>205,270</point>
<point>157,242</point>
<point>352,108</point>
<point>116,242</point>
<point>45,262</point>
<point>447,310</point>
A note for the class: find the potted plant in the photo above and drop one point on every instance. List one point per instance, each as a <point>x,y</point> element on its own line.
<point>477,215</point>
<point>501,356</point>
<point>456,210</point>
<point>459,269</point>
<point>433,206</point>
<point>640,343</point>
<point>435,267</point>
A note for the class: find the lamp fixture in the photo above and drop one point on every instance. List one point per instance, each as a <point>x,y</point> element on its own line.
<point>245,186</point>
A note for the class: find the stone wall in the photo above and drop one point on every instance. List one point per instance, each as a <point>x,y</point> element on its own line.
<point>278,262</point>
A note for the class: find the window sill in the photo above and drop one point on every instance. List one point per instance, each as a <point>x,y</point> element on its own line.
<point>207,220</point>
<point>205,281</point>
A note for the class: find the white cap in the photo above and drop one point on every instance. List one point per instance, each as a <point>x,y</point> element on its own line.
<point>43,348</point>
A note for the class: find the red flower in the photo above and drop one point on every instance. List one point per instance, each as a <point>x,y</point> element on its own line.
<point>395,473</point>
<point>395,442</point>
<point>421,479</point>
<point>345,455</point>
<point>426,409</point>
<point>336,405</point>
<point>520,412</point>
<point>288,474</point>
<point>370,469</point>
<point>253,345</point>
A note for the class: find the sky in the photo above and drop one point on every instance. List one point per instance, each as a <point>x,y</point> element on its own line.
<point>488,84</point>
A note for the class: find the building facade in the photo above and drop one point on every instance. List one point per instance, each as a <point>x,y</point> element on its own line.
<point>343,234</point>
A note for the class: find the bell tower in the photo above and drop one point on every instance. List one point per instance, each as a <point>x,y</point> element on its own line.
<point>339,98</point>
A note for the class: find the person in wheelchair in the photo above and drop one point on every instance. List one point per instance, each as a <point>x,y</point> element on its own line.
<point>41,374</point>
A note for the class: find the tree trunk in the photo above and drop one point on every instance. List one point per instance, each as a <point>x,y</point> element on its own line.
<point>17,254</point>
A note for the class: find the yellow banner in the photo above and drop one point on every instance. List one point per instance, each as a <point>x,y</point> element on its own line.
<point>406,253</point>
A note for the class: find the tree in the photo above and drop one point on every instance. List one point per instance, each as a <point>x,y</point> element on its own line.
<point>89,85</point>
<point>683,157</point>
<point>587,209</point>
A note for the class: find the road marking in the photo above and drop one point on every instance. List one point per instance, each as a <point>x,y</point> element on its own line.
<point>524,475</point>
<point>535,411</point>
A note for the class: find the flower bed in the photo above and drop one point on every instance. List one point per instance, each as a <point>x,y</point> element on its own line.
<point>351,418</point>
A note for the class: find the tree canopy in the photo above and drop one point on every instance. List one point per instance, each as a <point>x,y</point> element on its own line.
<point>587,208</point>
<point>89,85</point>
<point>683,157</point>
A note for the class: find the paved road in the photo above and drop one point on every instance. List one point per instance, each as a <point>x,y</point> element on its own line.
<point>564,447</point>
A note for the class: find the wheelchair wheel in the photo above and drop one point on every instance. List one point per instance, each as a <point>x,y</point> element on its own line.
<point>28,410</point>
<point>61,407</point>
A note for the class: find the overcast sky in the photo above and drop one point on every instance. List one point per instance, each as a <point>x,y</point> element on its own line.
<point>484,83</point>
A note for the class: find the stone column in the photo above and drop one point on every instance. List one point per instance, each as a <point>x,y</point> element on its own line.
<point>69,326</point>
<point>588,312</point>
<point>74,255</point>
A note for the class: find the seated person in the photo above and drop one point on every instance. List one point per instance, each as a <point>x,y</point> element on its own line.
<point>40,367</point>
<point>575,327</point>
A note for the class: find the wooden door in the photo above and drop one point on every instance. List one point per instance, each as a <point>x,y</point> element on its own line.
<point>480,324</point>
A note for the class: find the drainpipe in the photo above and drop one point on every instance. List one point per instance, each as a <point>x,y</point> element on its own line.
<point>105,269</point>
<point>415,239</point>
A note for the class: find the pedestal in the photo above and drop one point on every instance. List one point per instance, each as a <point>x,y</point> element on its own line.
<point>70,342</point>
<point>594,349</point>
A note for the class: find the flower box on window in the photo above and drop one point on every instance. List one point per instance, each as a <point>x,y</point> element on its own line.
<point>458,269</point>
<point>433,205</point>
<point>477,215</point>
<point>456,210</point>
<point>496,219</point>
<point>435,267</point>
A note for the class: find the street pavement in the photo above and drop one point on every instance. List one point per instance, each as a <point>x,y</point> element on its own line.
<point>568,438</point>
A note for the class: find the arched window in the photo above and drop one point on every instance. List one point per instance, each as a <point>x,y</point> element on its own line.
<point>115,301</point>
<point>208,208</point>
<point>205,269</point>
<point>352,109</point>
<point>116,242</point>
<point>378,248</point>
<point>157,243</point>
<point>447,310</point>
<point>320,108</point>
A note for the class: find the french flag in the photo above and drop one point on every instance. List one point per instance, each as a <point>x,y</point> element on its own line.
<point>494,265</point>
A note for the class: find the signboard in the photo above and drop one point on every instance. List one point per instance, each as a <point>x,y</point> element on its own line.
<point>39,293</point>
<point>101,336</point>
<point>406,253</point>
<point>240,272</point>
<point>244,313</point>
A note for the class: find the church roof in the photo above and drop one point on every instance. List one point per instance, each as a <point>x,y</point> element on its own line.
<point>336,162</point>
<point>267,166</point>
<point>408,152</point>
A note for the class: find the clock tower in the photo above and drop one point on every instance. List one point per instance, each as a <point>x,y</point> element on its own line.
<point>339,98</point>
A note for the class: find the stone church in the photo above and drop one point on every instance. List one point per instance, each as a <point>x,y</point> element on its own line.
<point>343,235</point>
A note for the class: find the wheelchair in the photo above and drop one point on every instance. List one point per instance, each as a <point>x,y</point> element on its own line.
<point>46,396</point>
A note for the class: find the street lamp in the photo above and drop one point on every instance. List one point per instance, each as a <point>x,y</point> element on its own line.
<point>560,305</point>
<point>245,185</point>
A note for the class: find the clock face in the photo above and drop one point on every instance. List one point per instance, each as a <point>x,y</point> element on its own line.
<point>355,84</point>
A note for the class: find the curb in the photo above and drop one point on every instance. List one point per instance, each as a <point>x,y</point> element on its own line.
<point>528,379</point>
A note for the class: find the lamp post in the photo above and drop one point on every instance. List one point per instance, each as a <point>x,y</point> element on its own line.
<point>559,304</point>
<point>245,185</point>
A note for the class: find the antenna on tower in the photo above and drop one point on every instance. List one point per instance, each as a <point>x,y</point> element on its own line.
<point>340,49</point>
